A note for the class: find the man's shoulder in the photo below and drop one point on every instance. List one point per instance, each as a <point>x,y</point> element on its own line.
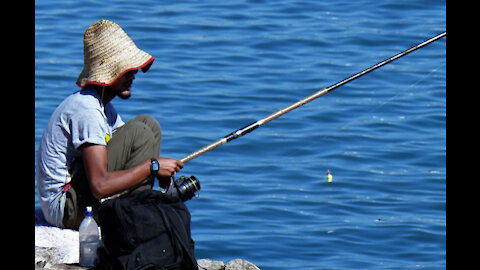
<point>75,109</point>
<point>84,99</point>
<point>78,104</point>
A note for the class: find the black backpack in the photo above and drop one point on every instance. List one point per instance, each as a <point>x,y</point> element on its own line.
<point>145,230</point>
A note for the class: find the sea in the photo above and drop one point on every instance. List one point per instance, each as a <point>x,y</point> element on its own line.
<point>265,197</point>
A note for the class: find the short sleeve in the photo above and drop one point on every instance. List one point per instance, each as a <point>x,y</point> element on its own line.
<point>118,123</point>
<point>114,119</point>
<point>88,127</point>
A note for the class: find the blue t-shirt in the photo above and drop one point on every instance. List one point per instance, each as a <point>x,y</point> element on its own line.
<point>79,119</point>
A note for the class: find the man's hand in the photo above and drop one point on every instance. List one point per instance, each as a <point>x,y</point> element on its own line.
<point>168,166</point>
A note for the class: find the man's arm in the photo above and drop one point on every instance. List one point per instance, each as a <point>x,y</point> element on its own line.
<point>104,183</point>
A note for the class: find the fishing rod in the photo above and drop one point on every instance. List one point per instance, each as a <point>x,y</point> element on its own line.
<point>251,127</point>
<point>185,188</point>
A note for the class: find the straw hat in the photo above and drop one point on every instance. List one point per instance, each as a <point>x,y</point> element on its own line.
<point>108,54</point>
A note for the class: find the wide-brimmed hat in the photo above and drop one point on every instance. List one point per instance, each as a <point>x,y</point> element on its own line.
<point>108,54</point>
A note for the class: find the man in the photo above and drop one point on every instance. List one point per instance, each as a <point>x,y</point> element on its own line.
<point>87,152</point>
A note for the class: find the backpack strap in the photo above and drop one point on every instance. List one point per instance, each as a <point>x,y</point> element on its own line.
<point>169,228</point>
<point>176,238</point>
<point>193,261</point>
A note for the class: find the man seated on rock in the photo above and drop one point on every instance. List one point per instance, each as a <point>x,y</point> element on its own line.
<point>87,152</point>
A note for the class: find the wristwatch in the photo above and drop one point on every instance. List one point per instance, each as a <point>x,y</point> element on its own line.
<point>154,167</point>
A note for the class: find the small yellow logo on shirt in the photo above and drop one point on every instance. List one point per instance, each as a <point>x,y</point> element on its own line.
<point>107,137</point>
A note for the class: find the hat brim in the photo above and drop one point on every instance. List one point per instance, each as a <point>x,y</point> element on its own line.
<point>144,67</point>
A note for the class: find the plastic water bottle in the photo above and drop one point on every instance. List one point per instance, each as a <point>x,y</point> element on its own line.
<point>89,239</point>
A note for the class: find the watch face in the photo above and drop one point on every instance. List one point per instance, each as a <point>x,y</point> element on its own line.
<point>155,166</point>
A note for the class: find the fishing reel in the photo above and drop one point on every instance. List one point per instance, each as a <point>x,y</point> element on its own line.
<point>183,188</point>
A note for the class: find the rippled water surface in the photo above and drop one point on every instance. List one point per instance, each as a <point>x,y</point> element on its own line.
<point>221,65</point>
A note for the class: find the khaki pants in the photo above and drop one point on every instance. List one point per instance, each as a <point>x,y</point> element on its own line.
<point>138,140</point>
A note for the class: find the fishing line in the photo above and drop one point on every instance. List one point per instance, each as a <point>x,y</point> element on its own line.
<point>410,86</point>
<point>371,111</point>
<point>249,128</point>
<point>315,142</point>
<point>290,154</point>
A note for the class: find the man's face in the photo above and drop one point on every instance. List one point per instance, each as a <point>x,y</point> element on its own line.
<point>124,84</point>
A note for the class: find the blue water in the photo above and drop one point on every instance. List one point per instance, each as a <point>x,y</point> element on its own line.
<point>221,65</point>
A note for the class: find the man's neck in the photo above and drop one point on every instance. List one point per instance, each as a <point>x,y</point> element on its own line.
<point>105,93</point>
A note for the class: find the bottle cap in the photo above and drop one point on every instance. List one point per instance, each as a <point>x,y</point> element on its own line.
<point>89,211</point>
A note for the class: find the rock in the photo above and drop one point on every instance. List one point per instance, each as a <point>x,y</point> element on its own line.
<point>58,249</point>
<point>239,264</point>
<point>208,264</point>
<point>56,246</point>
<point>47,266</point>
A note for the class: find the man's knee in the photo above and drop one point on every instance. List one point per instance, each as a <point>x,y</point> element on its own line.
<point>140,132</point>
<point>151,122</point>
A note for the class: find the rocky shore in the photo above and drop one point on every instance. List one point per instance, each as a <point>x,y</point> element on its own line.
<point>57,248</point>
